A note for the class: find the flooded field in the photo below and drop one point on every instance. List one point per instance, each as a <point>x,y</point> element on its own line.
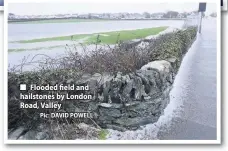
<point>31,31</point>
<point>18,32</point>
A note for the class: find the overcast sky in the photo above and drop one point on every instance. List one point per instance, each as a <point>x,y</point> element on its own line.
<point>59,8</point>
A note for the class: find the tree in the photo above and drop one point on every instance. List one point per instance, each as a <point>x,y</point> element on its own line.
<point>11,14</point>
<point>89,16</point>
<point>184,14</point>
<point>195,12</point>
<point>146,15</point>
<point>213,15</point>
<point>171,14</point>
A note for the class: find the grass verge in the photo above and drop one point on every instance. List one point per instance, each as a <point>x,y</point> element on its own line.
<point>32,49</point>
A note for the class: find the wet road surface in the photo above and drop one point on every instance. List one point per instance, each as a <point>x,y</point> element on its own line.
<point>196,88</point>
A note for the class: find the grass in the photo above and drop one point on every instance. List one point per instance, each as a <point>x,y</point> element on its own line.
<point>38,48</point>
<point>57,21</point>
<point>104,37</point>
<point>125,35</point>
<point>102,134</point>
<point>61,38</point>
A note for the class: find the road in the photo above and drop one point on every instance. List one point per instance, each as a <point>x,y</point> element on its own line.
<point>196,88</point>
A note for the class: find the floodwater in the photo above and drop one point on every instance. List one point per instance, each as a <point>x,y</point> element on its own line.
<point>57,48</point>
<point>32,31</point>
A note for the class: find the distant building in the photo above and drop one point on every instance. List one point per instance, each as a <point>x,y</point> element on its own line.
<point>83,16</point>
<point>157,15</point>
<point>11,16</point>
<point>123,15</point>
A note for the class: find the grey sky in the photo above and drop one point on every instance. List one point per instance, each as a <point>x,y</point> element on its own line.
<point>58,8</point>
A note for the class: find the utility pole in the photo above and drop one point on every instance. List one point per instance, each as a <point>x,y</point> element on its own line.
<point>202,9</point>
<point>200,24</point>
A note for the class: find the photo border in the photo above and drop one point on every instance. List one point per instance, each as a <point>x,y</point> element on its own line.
<point>7,141</point>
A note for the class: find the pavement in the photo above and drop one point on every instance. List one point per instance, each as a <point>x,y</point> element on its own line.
<point>196,87</point>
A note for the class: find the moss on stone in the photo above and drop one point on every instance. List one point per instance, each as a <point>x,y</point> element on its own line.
<point>102,135</point>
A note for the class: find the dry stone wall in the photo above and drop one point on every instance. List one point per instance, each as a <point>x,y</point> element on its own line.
<point>120,101</point>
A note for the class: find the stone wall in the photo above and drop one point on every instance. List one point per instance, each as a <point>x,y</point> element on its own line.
<point>128,101</point>
<point>123,101</point>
